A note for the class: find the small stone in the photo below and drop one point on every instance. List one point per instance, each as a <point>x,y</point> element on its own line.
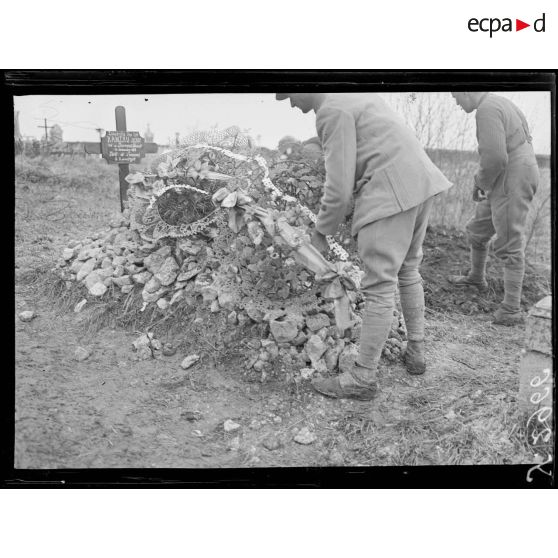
<point>26,315</point>
<point>81,354</point>
<point>300,339</point>
<point>168,271</point>
<point>209,293</point>
<point>153,285</point>
<point>153,297</point>
<point>226,299</point>
<point>169,349</point>
<point>163,303</point>
<point>271,347</point>
<point>154,261</point>
<point>118,271</point>
<point>98,289</point>
<point>321,367</point>
<point>68,254</point>
<point>214,306</point>
<point>92,279</point>
<point>189,361</point>
<point>348,357</point>
<point>76,266</point>
<point>127,288</point>
<point>189,247</point>
<point>230,426</point>
<point>307,373</point>
<point>283,331</point>
<point>331,356</point>
<point>132,269</point>
<point>272,443</point>
<point>86,269</point>
<point>305,437</point>
<point>273,315</point>
<point>232,318</point>
<point>104,272</point>
<point>243,319</point>
<point>84,254</point>
<point>254,313</point>
<point>234,444</point>
<point>190,274</point>
<point>315,348</point>
<point>201,283</point>
<point>142,277</point>
<point>322,333</point>
<point>78,307</point>
<point>336,458</point>
<point>264,355</point>
<point>178,295</point>
<point>190,415</point>
<point>317,322</point>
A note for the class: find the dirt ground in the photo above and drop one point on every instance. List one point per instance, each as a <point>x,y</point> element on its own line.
<point>114,411</point>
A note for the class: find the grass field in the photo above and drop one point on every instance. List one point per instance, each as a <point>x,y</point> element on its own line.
<point>114,411</point>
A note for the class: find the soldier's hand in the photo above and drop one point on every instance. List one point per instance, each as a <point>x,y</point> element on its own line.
<point>478,194</point>
<point>319,241</point>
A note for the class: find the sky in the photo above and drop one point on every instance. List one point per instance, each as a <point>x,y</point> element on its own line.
<point>259,114</point>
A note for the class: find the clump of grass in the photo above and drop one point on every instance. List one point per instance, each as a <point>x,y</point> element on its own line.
<point>34,171</point>
<point>75,173</point>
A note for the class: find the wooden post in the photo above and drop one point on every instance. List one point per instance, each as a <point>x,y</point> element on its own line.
<point>535,373</point>
<point>121,147</point>
<point>123,168</point>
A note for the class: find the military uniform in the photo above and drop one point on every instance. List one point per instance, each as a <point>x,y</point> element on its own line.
<point>371,155</point>
<point>509,176</point>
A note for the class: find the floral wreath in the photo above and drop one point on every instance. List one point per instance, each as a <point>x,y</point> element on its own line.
<point>153,222</point>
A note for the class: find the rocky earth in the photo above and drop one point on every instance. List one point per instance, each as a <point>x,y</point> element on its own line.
<point>245,276</point>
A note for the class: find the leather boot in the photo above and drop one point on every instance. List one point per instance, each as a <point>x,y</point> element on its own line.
<point>414,358</point>
<point>475,277</point>
<point>349,385</point>
<point>508,317</point>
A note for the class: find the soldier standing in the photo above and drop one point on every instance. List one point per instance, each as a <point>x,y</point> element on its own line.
<point>504,187</point>
<point>372,155</point>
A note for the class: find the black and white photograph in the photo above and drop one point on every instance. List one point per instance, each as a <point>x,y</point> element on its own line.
<point>276,279</point>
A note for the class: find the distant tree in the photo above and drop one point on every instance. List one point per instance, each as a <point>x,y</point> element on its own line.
<point>148,134</point>
<point>56,134</point>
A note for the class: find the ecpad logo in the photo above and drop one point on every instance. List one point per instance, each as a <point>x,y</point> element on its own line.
<point>494,24</point>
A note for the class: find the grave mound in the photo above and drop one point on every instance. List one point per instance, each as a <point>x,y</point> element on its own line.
<point>205,225</point>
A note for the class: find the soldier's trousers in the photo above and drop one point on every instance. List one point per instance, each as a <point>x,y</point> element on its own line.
<point>504,213</point>
<point>391,251</point>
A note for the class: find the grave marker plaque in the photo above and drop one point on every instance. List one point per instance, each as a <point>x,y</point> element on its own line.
<point>122,147</point>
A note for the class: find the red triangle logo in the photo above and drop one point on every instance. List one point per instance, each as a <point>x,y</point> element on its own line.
<point>519,25</point>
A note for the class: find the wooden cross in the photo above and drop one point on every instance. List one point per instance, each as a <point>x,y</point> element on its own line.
<point>121,147</point>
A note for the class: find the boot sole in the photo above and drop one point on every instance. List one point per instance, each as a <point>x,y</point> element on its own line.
<point>415,369</point>
<point>481,288</point>
<point>336,395</point>
<point>504,322</point>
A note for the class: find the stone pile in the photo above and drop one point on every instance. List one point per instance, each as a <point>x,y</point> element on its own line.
<point>244,276</point>
<point>187,270</point>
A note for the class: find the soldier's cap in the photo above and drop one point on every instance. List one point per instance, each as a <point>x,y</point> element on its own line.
<point>281,96</point>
